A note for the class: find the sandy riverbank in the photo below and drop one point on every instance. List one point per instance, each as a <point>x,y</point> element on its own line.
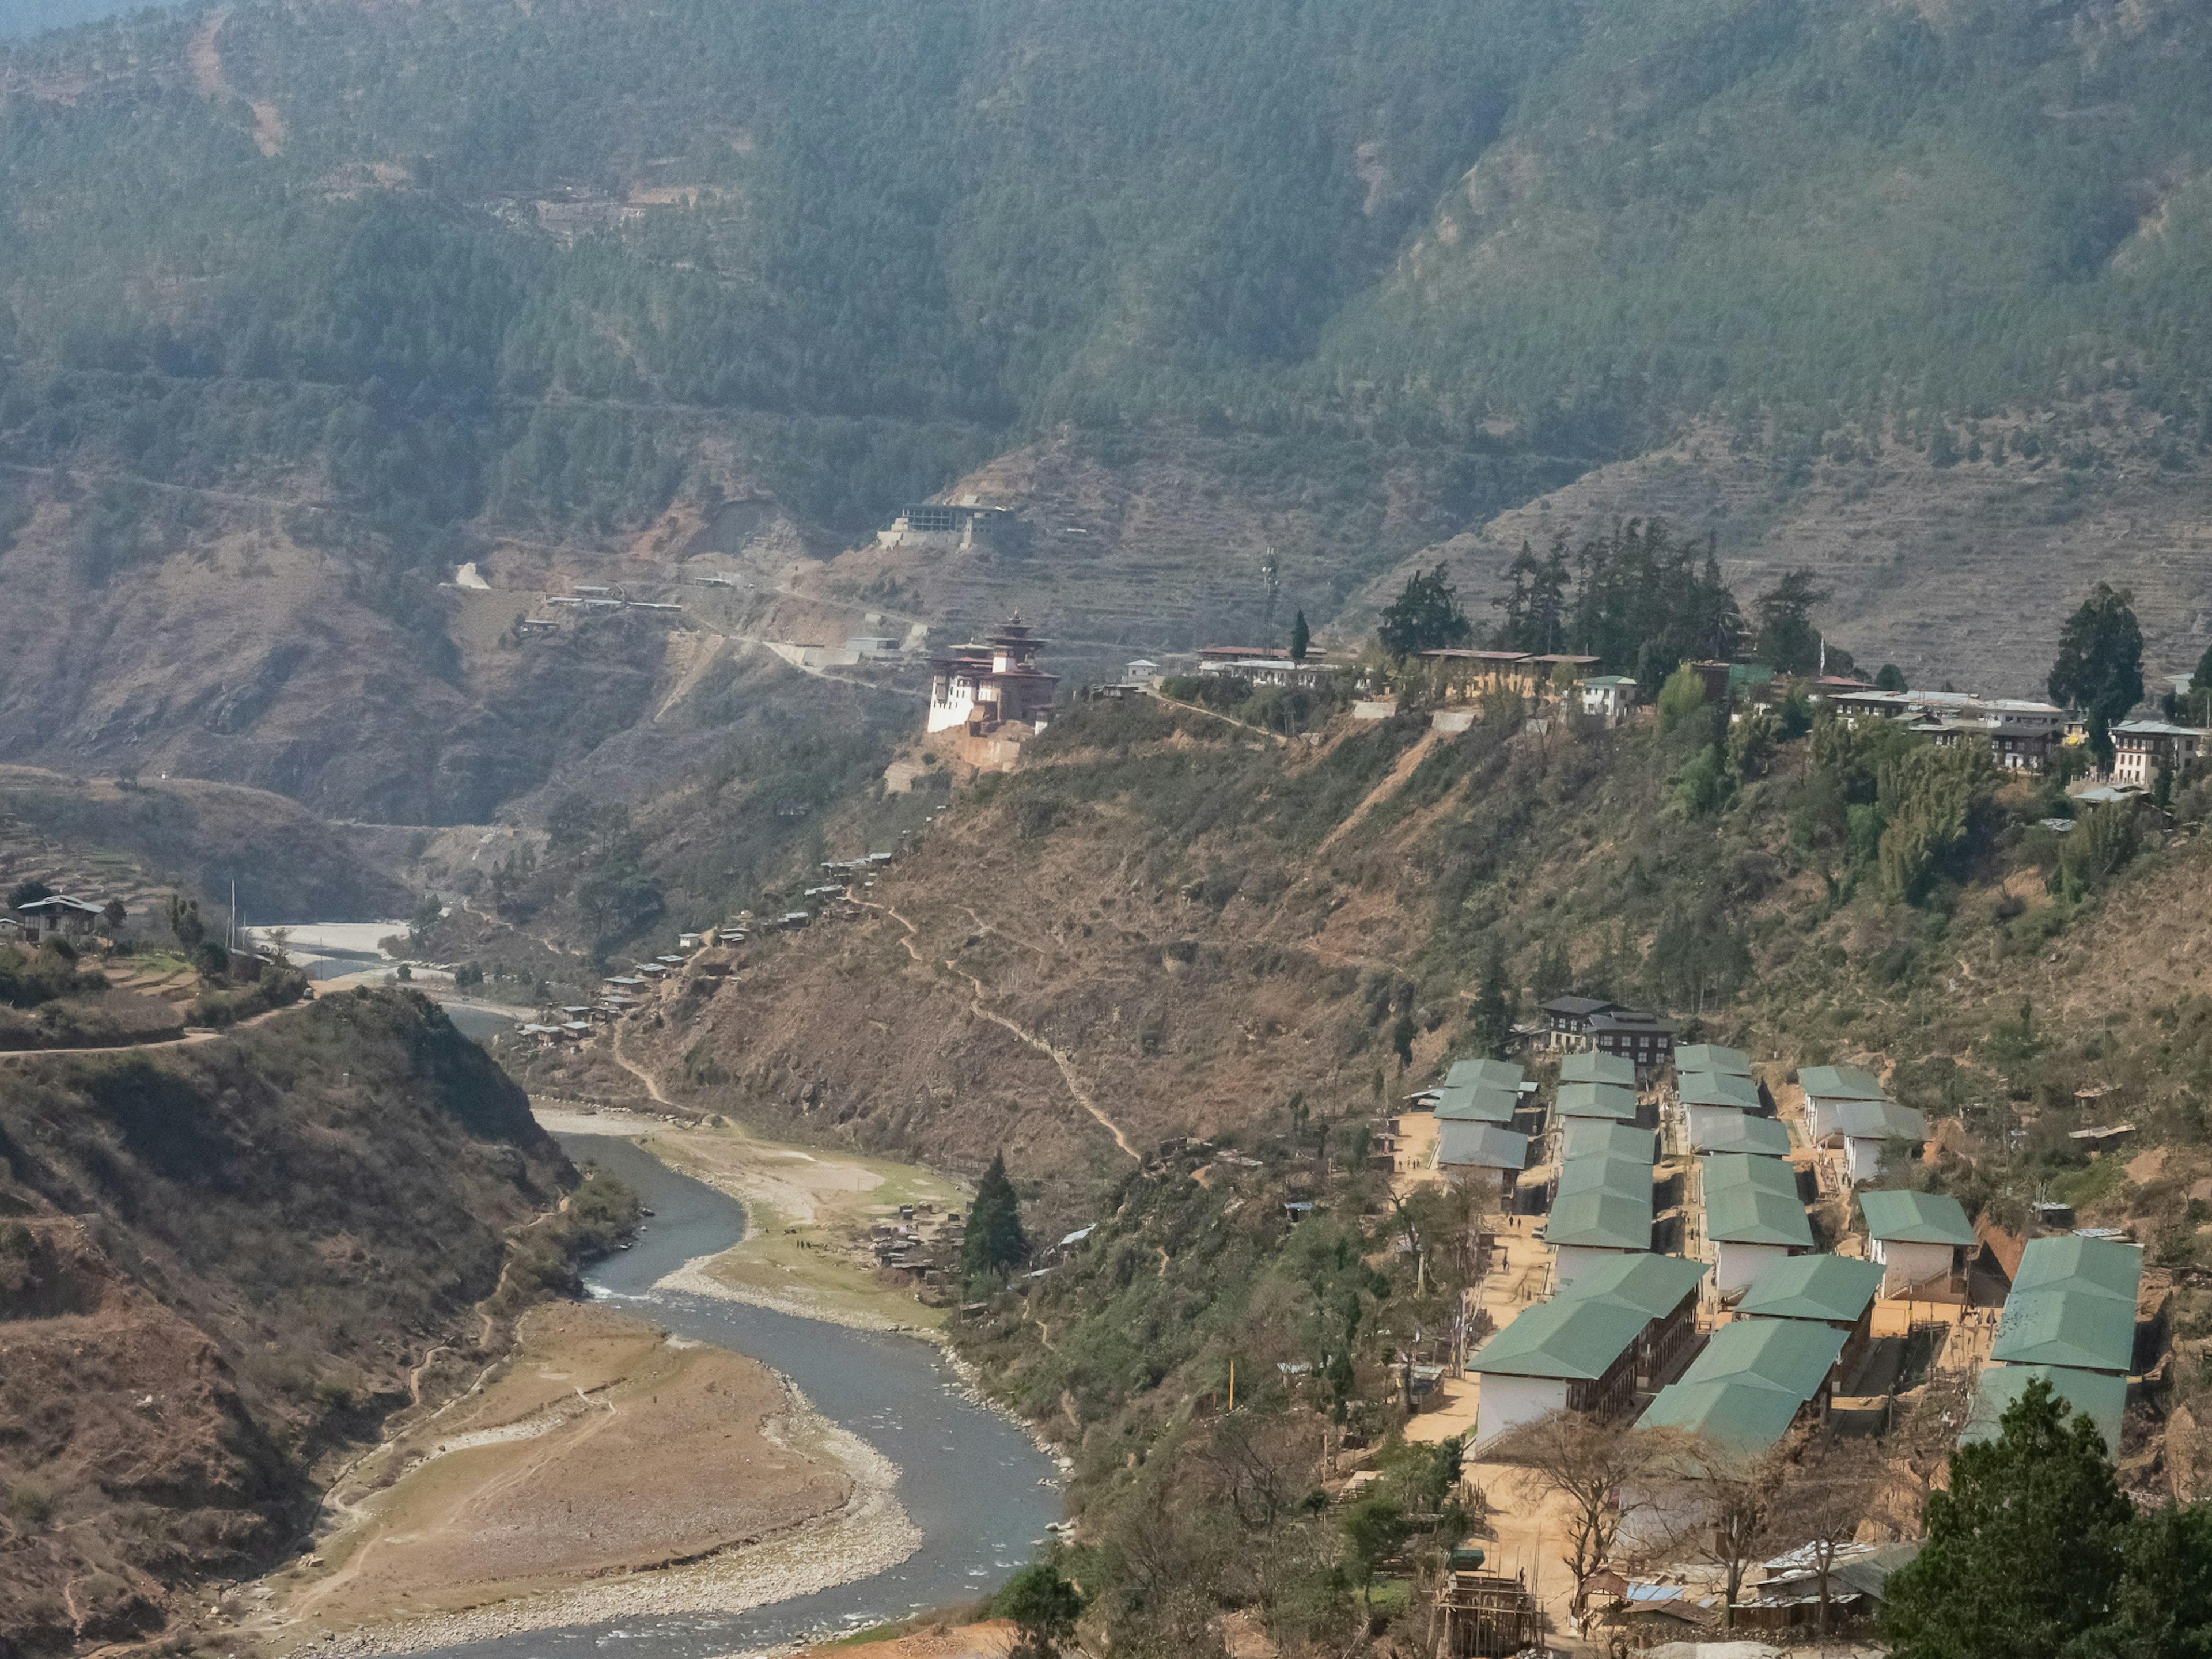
<point>607,1471</point>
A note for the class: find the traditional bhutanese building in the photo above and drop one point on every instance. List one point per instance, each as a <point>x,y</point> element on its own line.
<point>982,687</point>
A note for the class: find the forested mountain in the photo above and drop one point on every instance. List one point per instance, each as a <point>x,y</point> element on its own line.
<point>462,268</point>
<point>22,17</point>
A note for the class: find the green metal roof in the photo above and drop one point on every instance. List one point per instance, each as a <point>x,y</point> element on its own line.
<point>1916,1218</point>
<point>1877,1119</point>
<point>1586,1066</point>
<point>1718,1089</point>
<point>1740,1132</point>
<point>1725,1171</point>
<point>1711,1057</point>
<point>1834,1289</point>
<point>2100,1397</point>
<point>1792,1355</point>
<point>2089,1330</point>
<point>1578,1338</point>
<point>1840,1083</point>
<point>1754,1201</point>
<point>2104,1266</point>
<point>1475,1102</point>
<point>1629,1176</point>
<point>1503,1073</point>
<point>1738,1417</point>
<point>1483,1145</point>
<point>1597,1100</point>
<point>1600,1137</point>
<point>1654,1284</point>
<point>1602,1218</point>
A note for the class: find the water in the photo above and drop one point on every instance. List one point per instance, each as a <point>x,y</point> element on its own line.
<point>972,1481</point>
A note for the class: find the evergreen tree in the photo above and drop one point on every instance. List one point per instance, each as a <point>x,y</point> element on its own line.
<point>2023,1552</point>
<point>1425,617</point>
<point>1891,678</point>
<point>1555,970</point>
<point>2164,1607</point>
<point>1301,637</point>
<point>995,1240</point>
<point>1787,639</point>
<point>1490,1022</point>
<point>2100,666</point>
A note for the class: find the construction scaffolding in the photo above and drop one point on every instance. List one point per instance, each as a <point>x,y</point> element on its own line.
<point>1484,1615</point>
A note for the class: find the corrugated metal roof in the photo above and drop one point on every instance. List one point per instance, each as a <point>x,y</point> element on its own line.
<point>1475,1102</point>
<point>1741,1417</point>
<point>1792,1355</point>
<point>1601,1219</point>
<point>1718,1089</point>
<point>1877,1119</point>
<point>1597,1100</point>
<point>2094,1264</point>
<point>1480,1144</point>
<point>1754,1201</point>
<point>1572,1338</point>
<point>1916,1217</point>
<point>1629,1176</point>
<point>1586,1066</point>
<point>1503,1072</point>
<point>1740,1133</point>
<point>1840,1083</point>
<point>1711,1057</point>
<point>1655,1284</point>
<point>1599,1137</point>
<point>2097,1395</point>
<point>2088,1329</point>
<point>1832,1288</point>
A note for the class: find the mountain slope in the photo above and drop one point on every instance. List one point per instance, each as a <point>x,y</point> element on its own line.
<point>216,1264</point>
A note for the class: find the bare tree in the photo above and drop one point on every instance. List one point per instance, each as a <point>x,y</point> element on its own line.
<point>1731,1500</point>
<point>1829,1493</point>
<point>1923,1435</point>
<point>1600,1469</point>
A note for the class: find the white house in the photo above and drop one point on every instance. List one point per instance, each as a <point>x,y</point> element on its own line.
<point>2142,749</point>
<point>1827,1086</point>
<point>1862,1128</point>
<point>1609,695</point>
<point>1919,1238</point>
<point>1754,1218</point>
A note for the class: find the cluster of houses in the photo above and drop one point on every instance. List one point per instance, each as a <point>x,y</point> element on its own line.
<point>1785,1323</point>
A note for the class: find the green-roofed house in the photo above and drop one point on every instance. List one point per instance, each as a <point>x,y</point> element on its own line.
<point>2098,1267</point>
<point>1829,1289</point>
<point>1754,1218</point>
<point>1503,1073</point>
<point>1475,1102</point>
<point>1711,1057</point>
<point>1740,1395</point>
<point>1482,1150</point>
<point>1741,1133</point>
<point>1607,1214</point>
<point>1599,1137</point>
<point>1863,1128</point>
<point>1587,1348</point>
<point>1705,1094</point>
<point>1921,1239</point>
<point>1587,1066</point>
<point>2075,1329</point>
<point>2097,1395</point>
<point>1597,1100</point>
<point>1827,1085</point>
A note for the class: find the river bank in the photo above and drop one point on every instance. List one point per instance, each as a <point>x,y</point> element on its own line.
<point>947,1496</point>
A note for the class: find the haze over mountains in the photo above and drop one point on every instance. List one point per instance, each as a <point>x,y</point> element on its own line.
<point>306,305</point>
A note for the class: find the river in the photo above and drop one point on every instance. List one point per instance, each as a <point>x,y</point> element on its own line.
<point>976,1486</point>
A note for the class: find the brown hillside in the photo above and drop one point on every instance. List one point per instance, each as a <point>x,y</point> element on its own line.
<point>217,1264</point>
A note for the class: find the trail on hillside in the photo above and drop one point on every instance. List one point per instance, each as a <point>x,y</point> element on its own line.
<point>651,1086</point>
<point>205,56</point>
<point>1215,714</point>
<point>1382,792</point>
<point>1067,1072</point>
<point>704,649</point>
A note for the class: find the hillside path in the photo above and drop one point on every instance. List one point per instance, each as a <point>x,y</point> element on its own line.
<point>651,1085</point>
<point>204,1035</point>
<point>1215,714</point>
<point>1068,1073</point>
<point>704,649</point>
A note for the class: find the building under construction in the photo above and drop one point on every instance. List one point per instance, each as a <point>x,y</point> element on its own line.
<point>1484,1615</point>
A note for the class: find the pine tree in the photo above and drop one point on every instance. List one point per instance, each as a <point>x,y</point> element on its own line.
<point>994,1239</point>
<point>1490,1022</point>
<point>1301,637</point>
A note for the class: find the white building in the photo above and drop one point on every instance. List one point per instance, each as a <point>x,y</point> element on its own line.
<point>1610,696</point>
<point>1921,1239</point>
<point>2142,748</point>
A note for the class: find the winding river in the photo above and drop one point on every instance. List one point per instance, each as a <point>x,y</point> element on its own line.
<point>979,1489</point>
